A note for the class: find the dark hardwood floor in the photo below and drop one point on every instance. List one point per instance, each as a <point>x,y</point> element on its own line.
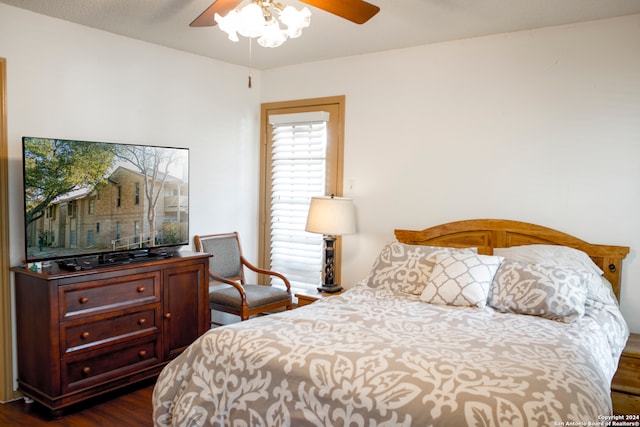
<point>130,407</point>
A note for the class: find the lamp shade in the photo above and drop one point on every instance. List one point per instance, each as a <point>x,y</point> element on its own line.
<point>332,216</point>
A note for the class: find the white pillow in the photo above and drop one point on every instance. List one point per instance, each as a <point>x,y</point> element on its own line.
<point>405,268</point>
<point>460,279</point>
<point>557,255</point>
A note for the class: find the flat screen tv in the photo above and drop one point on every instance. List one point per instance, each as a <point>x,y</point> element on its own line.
<point>85,199</point>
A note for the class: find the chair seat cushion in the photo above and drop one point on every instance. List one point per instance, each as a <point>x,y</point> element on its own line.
<point>257,296</point>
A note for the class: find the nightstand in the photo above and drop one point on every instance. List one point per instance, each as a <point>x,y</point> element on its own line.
<point>625,387</point>
<point>307,298</point>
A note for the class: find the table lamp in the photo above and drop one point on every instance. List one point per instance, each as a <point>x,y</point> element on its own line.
<point>331,216</point>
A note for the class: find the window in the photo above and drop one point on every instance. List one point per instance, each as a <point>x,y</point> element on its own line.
<point>89,237</point>
<point>119,196</point>
<point>51,212</point>
<point>137,201</point>
<point>92,206</point>
<point>301,157</point>
<point>71,209</point>
<point>136,231</point>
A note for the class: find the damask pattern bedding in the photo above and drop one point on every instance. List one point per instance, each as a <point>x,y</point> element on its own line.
<point>374,356</point>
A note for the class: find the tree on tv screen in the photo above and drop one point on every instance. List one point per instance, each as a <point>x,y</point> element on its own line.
<point>154,164</point>
<point>55,167</point>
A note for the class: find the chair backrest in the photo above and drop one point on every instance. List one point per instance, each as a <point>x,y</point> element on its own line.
<point>226,260</point>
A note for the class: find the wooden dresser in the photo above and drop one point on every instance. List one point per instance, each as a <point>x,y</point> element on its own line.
<point>625,387</point>
<point>83,333</point>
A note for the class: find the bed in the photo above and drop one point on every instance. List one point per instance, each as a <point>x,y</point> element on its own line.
<point>477,322</point>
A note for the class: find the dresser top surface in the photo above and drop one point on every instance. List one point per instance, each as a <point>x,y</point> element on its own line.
<point>54,271</point>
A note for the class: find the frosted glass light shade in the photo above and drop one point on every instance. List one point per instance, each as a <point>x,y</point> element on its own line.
<point>262,19</point>
<point>331,216</point>
<point>295,20</point>
<point>272,35</point>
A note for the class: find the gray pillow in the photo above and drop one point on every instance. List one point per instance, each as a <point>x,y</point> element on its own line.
<point>553,292</point>
<point>406,268</point>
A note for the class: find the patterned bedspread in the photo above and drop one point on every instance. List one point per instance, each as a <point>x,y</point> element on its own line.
<point>371,357</point>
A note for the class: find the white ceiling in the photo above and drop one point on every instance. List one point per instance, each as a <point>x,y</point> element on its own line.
<point>400,23</point>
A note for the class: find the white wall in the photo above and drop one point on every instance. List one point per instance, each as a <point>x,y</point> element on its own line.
<point>70,81</point>
<point>539,126</point>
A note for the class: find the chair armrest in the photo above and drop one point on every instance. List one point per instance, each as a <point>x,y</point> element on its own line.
<point>268,272</point>
<point>238,286</point>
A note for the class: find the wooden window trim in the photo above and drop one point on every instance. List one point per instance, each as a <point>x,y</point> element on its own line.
<point>301,105</point>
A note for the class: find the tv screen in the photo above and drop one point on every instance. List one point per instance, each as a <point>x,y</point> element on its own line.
<point>86,198</point>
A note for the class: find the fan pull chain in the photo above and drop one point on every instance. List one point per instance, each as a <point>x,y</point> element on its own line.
<point>250,60</point>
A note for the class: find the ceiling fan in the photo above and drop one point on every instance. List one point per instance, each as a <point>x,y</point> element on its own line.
<point>357,11</point>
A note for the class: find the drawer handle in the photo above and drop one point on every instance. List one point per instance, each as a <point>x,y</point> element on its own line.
<point>142,321</point>
<point>83,300</point>
<point>86,370</point>
<point>167,315</point>
<point>142,354</point>
<point>140,289</point>
<point>84,335</point>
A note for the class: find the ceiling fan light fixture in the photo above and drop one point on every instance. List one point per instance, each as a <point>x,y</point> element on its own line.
<point>262,18</point>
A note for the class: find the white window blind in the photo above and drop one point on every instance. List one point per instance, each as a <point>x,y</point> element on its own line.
<point>298,172</point>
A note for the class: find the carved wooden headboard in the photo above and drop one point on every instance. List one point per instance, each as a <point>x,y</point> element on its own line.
<point>486,234</point>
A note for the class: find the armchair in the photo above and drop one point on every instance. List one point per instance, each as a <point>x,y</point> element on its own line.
<point>226,267</point>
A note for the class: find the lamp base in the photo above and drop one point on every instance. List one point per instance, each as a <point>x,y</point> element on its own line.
<point>330,289</point>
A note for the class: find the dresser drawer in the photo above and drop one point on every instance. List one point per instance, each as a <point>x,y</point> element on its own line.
<point>104,295</point>
<point>109,363</point>
<point>86,334</point>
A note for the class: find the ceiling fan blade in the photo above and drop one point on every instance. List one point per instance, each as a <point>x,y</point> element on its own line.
<point>207,18</point>
<point>357,11</point>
